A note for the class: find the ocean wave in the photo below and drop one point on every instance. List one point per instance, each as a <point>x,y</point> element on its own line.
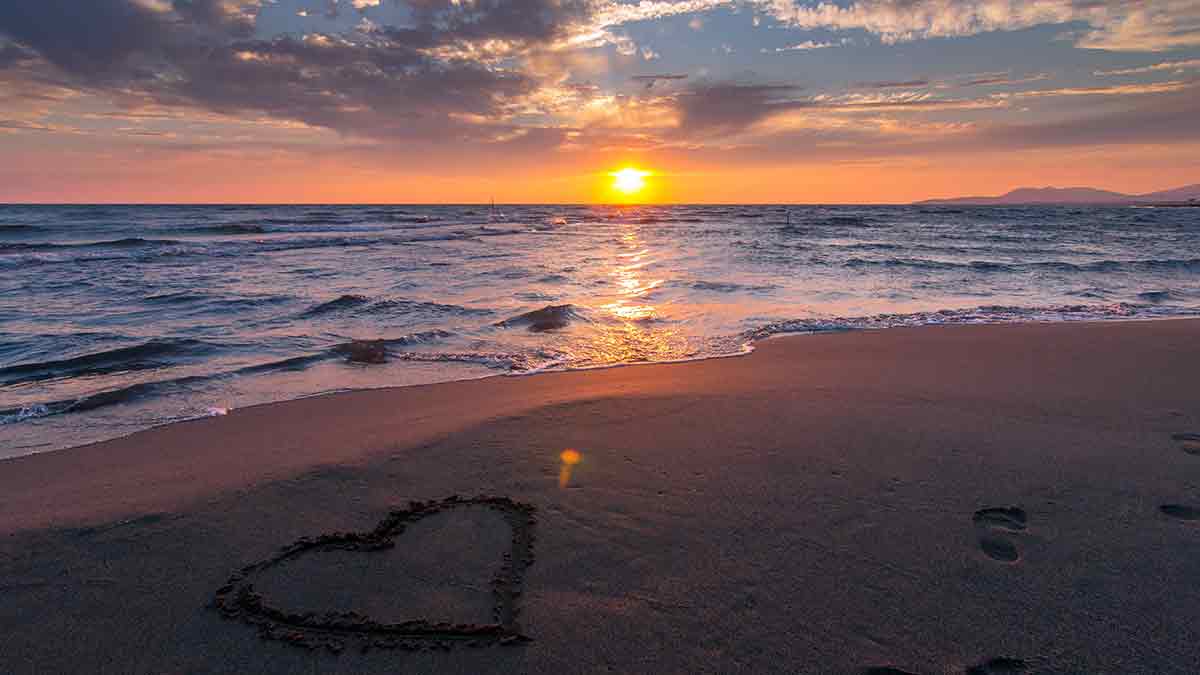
<point>145,390</point>
<point>915,263</point>
<point>516,362</point>
<point>177,298</point>
<point>1186,264</point>
<point>798,223</point>
<point>550,317</point>
<point>362,305</point>
<point>1091,292</point>
<point>987,314</point>
<point>127,242</point>
<point>1158,296</point>
<point>730,287</point>
<point>29,412</point>
<point>139,249</point>
<point>656,220</point>
<point>388,216</point>
<point>289,364</point>
<point>102,399</point>
<point>371,219</point>
<point>869,246</point>
<point>341,303</point>
<point>148,355</point>
<point>1182,264</point>
<point>227,228</point>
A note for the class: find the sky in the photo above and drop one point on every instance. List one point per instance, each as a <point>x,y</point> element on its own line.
<point>466,101</point>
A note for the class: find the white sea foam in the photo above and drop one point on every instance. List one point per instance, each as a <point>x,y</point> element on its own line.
<point>25,413</point>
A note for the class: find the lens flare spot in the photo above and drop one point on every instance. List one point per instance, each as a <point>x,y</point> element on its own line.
<point>570,457</point>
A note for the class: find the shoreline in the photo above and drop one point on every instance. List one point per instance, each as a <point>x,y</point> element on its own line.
<point>1021,495</point>
<point>748,348</point>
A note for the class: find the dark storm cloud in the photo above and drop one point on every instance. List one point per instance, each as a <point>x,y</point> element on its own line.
<point>380,90</point>
<point>727,107</point>
<point>387,81</point>
<point>89,38</point>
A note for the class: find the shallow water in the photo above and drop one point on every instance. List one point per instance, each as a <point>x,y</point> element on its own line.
<point>116,318</point>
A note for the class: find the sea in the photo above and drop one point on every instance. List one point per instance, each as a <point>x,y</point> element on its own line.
<point>114,319</point>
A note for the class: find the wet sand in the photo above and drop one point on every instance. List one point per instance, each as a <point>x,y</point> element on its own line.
<point>989,499</point>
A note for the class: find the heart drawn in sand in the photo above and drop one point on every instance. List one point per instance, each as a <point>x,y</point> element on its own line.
<point>239,600</point>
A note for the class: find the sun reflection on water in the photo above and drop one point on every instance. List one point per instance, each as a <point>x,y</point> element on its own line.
<point>639,331</point>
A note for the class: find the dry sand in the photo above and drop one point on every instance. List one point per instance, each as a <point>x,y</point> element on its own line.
<point>936,500</point>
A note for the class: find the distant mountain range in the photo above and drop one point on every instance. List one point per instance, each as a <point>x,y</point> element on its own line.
<point>1078,195</point>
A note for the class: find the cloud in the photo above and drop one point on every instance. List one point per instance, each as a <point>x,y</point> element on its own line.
<point>614,12</point>
<point>22,125</point>
<point>1118,90</point>
<point>437,76</point>
<point>728,107</point>
<point>1118,25</point>
<point>898,101</point>
<point>1165,66</point>
<point>825,133</point>
<point>901,84</point>
<point>807,45</point>
<point>63,32</point>
<point>651,80</point>
<point>12,55</point>
<point>1002,79</point>
<point>1171,119</point>
<point>500,73</point>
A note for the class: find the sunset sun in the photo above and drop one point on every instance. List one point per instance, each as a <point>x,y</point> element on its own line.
<point>629,181</point>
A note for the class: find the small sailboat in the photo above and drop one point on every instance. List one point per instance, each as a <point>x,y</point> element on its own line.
<point>493,215</point>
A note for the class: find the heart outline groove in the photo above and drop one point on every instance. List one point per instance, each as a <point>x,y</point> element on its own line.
<point>238,600</point>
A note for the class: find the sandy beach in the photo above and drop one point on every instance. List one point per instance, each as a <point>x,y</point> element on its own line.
<point>967,499</point>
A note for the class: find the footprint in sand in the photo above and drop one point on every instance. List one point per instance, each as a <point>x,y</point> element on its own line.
<point>1180,511</point>
<point>1189,443</point>
<point>991,524</point>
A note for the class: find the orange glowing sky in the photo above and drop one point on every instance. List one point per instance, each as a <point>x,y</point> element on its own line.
<point>543,100</point>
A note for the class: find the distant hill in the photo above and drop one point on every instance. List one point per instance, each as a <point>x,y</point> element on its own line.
<point>1077,195</point>
<point>1183,194</point>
